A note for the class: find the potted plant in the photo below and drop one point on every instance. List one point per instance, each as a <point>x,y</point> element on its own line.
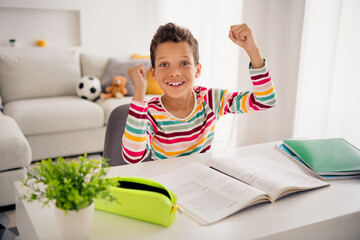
<point>72,186</point>
<point>12,42</point>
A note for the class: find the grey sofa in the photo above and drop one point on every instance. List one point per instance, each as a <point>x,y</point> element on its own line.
<point>42,115</point>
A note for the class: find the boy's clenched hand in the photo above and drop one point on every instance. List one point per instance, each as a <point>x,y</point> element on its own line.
<point>242,35</point>
<point>137,76</point>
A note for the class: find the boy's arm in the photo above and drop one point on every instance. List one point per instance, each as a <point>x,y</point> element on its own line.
<point>262,98</point>
<point>136,138</point>
<point>242,36</point>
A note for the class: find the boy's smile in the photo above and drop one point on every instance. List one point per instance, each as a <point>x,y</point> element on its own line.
<point>175,70</point>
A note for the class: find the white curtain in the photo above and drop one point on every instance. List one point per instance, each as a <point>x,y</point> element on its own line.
<point>277,27</point>
<point>329,81</point>
<point>209,21</point>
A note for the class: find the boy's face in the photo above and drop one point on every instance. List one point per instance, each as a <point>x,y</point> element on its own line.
<point>175,70</point>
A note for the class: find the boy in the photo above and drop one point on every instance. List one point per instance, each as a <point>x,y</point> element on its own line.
<point>182,120</point>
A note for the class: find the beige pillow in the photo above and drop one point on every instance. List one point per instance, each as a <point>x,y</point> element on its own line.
<point>93,65</point>
<point>38,74</point>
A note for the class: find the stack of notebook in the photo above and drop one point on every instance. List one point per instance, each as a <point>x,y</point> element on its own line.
<point>332,158</point>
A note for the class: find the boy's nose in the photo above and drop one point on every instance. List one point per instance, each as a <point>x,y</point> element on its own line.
<point>174,72</point>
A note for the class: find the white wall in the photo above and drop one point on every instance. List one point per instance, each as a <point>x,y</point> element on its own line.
<point>29,25</point>
<point>116,28</point>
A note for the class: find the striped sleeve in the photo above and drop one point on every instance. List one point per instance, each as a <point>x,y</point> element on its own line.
<point>264,95</point>
<point>261,98</point>
<point>136,138</point>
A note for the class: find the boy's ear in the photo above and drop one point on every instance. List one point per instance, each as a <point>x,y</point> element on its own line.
<point>198,71</point>
<point>152,72</point>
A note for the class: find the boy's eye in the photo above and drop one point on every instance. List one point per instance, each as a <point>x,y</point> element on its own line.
<point>163,64</point>
<point>185,63</point>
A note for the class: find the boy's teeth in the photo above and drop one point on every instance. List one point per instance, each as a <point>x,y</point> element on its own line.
<point>175,83</point>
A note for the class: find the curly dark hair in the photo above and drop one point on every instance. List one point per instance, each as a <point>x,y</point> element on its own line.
<point>174,33</point>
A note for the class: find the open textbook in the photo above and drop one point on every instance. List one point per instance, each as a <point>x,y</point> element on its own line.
<point>209,194</point>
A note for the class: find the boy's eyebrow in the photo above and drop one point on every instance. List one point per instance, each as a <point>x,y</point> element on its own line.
<point>186,56</point>
<point>183,56</point>
<point>160,58</point>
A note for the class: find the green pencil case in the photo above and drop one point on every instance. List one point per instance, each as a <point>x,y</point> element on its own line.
<point>142,199</point>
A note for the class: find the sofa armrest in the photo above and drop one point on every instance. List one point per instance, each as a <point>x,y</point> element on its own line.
<point>15,150</point>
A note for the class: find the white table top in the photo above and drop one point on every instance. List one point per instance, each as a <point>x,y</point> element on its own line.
<point>332,212</point>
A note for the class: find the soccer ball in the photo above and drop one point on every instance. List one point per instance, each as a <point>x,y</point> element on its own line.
<point>88,87</point>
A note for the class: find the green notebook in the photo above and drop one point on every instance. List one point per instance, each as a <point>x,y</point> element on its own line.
<point>327,156</point>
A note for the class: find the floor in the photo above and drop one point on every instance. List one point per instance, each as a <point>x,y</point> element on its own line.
<point>8,229</point>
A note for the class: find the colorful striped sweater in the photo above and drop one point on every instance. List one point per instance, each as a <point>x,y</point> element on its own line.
<point>151,129</point>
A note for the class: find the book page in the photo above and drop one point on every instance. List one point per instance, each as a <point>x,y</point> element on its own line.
<point>208,195</point>
<point>266,175</point>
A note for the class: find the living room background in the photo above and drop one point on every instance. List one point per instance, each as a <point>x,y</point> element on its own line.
<point>120,28</point>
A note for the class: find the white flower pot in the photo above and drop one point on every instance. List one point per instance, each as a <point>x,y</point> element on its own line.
<point>76,224</point>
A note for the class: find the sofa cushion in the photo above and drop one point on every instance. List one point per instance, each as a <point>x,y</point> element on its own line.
<point>152,86</point>
<point>56,114</point>
<point>93,65</point>
<point>38,74</point>
<point>110,104</point>
<point>116,67</point>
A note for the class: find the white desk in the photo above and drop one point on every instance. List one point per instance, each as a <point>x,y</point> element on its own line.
<point>327,213</point>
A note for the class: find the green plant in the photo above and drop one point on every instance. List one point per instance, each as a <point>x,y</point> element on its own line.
<point>73,185</point>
